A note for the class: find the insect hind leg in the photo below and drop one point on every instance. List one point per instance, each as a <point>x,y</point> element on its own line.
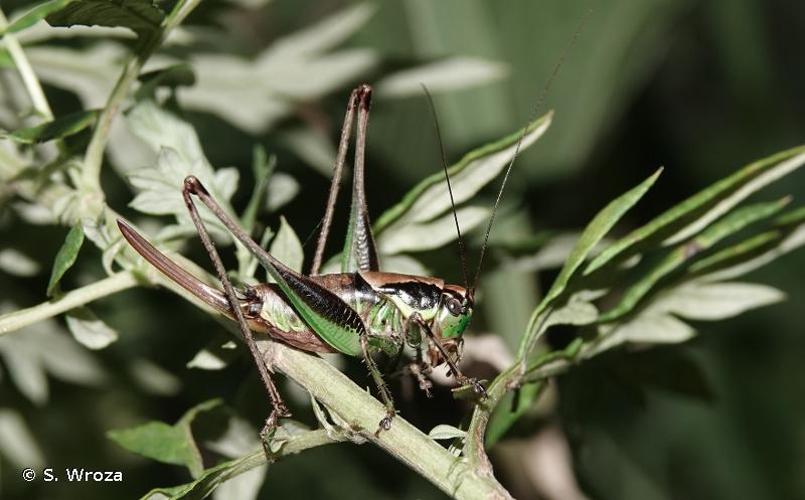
<point>279,410</point>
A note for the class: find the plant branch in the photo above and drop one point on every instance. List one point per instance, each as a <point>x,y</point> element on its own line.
<point>70,300</point>
<point>93,157</point>
<point>29,79</point>
<point>363,412</point>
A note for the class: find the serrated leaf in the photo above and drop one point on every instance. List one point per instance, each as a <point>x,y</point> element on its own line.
<point>209,480</point>
<point>34,15</point>
<point>172,444</point>
<point>592,234</point>
<point>141,16</point>
<point>416,237</point>
<point>447,74</point>
<point>286,247</point>
<point>61,127</point>
<point>160,186</point>
<point>715,301</point>
<point>430,198</point>
<point>66,256</point>
<point>17,263</point>
<point>712,201</point>
<point>445,432</point>
<point>683,254</point>
<point>89,330</point>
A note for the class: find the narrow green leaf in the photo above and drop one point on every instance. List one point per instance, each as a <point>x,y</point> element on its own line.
<point>739,252</point>
<point>141,16</point>
<point>712,202</point>
<point>429,199</point>
<point>66,257</point>
<point>683,254</point>
<point>211,478</point>
<point>592,234</point>
<point>172,444</point>
<point>793,238</point>
<point>35,15</point>
<point>63,126</point>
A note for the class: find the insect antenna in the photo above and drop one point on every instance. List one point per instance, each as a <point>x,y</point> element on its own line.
<point>537,109</point>
<point>461,247</point>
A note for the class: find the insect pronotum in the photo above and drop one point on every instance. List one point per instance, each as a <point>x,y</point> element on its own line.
<point>357,312</point>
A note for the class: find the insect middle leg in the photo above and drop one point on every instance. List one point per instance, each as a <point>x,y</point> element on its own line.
<point>460,377</point>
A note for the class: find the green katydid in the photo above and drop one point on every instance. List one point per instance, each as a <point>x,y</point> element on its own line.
<point>356,312</point>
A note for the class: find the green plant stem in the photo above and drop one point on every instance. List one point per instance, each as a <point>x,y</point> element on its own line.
<point>93,157</point>
<point>24,317</point>
<point>26,72</point>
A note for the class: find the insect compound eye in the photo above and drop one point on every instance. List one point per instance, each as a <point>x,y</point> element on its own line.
<point>454,306</point>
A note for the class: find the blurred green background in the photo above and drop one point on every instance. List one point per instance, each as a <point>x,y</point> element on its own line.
<point>701,87</point>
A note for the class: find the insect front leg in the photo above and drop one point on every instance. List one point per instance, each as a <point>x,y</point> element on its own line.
<point>279,409</point>
<point>460,377</point>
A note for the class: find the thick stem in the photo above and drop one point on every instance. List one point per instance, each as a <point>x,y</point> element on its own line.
<point>362,411</point>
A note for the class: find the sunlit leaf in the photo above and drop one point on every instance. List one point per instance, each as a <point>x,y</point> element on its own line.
<point>447,74</point>
<point>446,432</point>
<point>416,237</point>
<point>430,198</point>
<point>17,444</point>
<point>160,186</point>
<point>88,329</point>
<point>44,348</point>
<point>61,127</point>
<point>683,254</point>
<point>715,301</point>
<point>66,257</point>
<point>17,263</point>
<point>286,247</point>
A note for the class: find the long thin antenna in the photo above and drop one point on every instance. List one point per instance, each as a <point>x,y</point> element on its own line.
<point>537,109</point>
<point>461,247</point>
